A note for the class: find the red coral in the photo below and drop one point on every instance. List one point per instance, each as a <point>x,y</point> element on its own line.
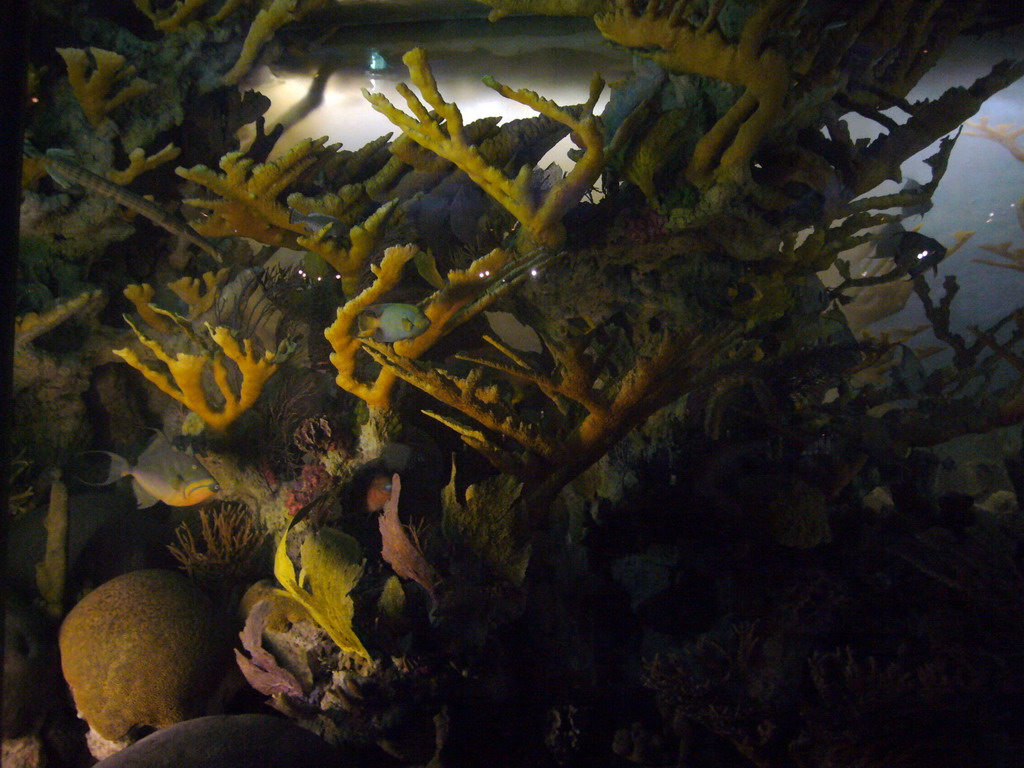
<point>307,488</point>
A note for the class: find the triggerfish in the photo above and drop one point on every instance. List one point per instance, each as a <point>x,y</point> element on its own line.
<point>164,473</point>
<point>388,323</point>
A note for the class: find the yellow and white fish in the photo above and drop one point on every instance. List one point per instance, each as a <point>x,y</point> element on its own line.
<point>388,323</point>
<point>164,473</point>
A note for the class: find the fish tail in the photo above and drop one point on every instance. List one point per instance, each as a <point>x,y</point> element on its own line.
<point>119,467</point>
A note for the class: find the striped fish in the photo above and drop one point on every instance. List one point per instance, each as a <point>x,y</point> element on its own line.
<point>68,174</point>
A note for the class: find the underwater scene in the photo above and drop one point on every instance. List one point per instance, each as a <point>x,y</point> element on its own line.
<point>518,383</point>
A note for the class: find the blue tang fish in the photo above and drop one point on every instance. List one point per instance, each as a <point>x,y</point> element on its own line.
<point>388,323</point>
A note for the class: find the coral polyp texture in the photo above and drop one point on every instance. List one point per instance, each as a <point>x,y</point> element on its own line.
<point>139,651</point>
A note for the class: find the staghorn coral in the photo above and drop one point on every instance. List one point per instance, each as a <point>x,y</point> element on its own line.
<point>94,91</point>
<point>248,204</point>
<point>344,341</point>
<point>594,407</point>
<point>184,378</point>
<point>349,262</point>
<point>182,12</point>
<point>141,297</point>
<point>1013,258</point>
<point>140,162</point>
<point>269,19</point>
<point>464,294</point>
<point>540,215</point>
<point>185,373</point>
<point>49,385</point>
<point>664,33</point>
<point>188,290</point>
<point>502,8</point>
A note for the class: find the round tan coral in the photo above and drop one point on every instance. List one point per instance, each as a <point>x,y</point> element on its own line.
<point>138,651</point>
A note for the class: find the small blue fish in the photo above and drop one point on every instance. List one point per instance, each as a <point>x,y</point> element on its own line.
<point>163,473</point>
<point>388,323</point>
<point>314,222</point>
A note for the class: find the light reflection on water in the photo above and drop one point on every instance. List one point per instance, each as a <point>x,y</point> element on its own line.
<point>562,74</point>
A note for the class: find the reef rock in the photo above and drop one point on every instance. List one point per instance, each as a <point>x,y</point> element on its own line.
<point>140,650</point>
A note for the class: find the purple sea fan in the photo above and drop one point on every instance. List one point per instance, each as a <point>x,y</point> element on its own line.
<point>401,546</point>
<point>262,671</point>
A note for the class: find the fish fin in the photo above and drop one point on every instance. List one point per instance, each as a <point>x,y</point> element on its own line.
<point>119,467</point>
<point>158,445</point>
<point>144,497</point>
<point>368,325</point>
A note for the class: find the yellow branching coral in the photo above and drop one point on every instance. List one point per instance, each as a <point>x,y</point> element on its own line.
<point>348,261</point>
<point>184,11</point>
<point>93,90</point>
<point>664,33</point>
<point>188,289</point>
<point>344,206</point>
<point>1013,257</point>
<point>141,296</point>
<point>593,409</point>
<point>464,294</point>
<point>266,23</point>
<point>249,205</point>
<point>344,341</point>
<point>184,380</point>
<point>140,162</point>
<point>444,134</point>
